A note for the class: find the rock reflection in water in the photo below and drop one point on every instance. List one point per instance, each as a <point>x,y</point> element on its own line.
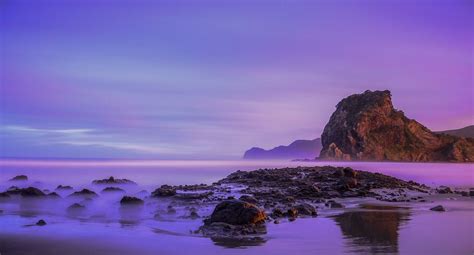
<point>229,242</point>
<point>374,229</point>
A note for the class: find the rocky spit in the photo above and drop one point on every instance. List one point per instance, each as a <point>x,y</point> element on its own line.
<point>245,201</point>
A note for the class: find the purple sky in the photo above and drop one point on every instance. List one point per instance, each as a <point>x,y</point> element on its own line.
<point>209,79</point>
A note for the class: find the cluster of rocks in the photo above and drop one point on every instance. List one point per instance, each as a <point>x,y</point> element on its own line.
<point>287,185</point>
<point>264,195</point>
<point>111,180</point>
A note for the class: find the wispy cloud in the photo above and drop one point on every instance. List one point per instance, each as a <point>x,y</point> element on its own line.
<point>88,137</point>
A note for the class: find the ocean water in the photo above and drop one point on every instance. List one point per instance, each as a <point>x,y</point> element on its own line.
<point>106,228</point>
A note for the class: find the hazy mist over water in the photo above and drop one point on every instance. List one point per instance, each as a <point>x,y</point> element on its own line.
<point>176,172</point>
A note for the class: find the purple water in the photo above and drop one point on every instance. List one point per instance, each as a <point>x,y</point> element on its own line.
<point>105,229</point>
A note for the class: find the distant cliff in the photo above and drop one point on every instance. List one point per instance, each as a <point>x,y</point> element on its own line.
<point>299,149</point>
<point>367,127</point>
<point>462,132</point>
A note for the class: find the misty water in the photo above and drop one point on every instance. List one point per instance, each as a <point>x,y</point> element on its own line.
<point>105,227</point>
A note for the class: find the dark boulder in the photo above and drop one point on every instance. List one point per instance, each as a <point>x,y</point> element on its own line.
<point>53,195</point>
<point>31,192</point>
<point>438,208</point>
<point>236,212</point>
<point>41,223</point>
<point>126,200</point>
<point>334,204</point>
<point>164,191</point>
<point>292,213</point>
<point>19,178</point>
<point>306,209</point>
<point>63,187</point>
<point>112,180</point>
<point>349,172</point>
<point>277,213</point>
<point>84,193</point>
<point>76,208</point>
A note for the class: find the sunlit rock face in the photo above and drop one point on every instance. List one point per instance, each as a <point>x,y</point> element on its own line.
<point>367,127</point>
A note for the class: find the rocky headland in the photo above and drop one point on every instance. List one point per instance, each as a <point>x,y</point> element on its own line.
<point>367,127</point>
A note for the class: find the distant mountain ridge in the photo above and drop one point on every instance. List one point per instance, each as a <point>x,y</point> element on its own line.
<point>462,132</point>
<point>299,149</point>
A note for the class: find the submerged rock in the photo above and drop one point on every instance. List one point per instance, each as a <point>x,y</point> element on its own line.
<point>61,187</point>
<point>41,223</point>
<point>53,195</point>
<point>19,178</point>
<point>112,180</point>
<point>112,189</point>
<point>84,193</point>
<point>236,212</point>
<point>126,200</point>
<point>171,210</point>
<point>26,192</point>
<point>76,207</point>
<point>164,191</point>
<point>334,204</point>
<point>438,208</point>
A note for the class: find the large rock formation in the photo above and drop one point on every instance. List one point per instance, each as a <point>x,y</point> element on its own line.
<point>299,149</point>
<point>367,127</point>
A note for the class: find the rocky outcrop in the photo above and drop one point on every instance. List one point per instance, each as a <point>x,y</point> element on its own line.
<point>164,191</point>
<point>285,186</point>
<point>367,127</point>
<point>299,149</point>
<point>112,180</point>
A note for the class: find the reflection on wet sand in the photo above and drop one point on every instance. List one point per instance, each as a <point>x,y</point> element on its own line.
<point>238,242</point>
<point>374,229</point>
